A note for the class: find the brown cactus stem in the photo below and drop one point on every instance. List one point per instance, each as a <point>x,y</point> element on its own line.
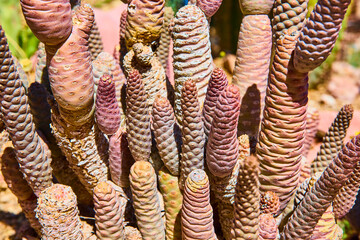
<point>58,213</point>
<point>333,139</point>
<point>107,111</point>
<point>95,41</point>
<point>247,201</point>
<point>40,109</point>
<point>345,199</point>
<point>197,213</point>
<point>19,187</point>
<point>284,124</point>
<point>41,70</point>
<point>123,49</point>
<point>191,31</point>
<point>120,159</point>
<point>305,217</point>
<point>109,208</point>
<point>319,34</point>
<point>173,198</point>
<point>50,21</point>
<point>209,7</point>
<point>164,44</point>
<point>268,229</point>
<point>142,58</point>
<point>32,153</point>
<point>251,72</point>
<point>144,21</point>
<point>217,84</point>
<point>146,201</point>
<point>193,136</point>
<point>312,124</point>
<point>137,117</point>
<point>164,126</point>
<point>269,203</point>
<point>70,72</point>
<point>257,7</point>
<point>222,149</point>
<point>288,14</point>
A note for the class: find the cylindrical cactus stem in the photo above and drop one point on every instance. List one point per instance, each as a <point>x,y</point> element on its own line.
<point>58,213</point>
<point>345,199</point>
<point>120,159</point>
<point>142,58</point>
<point>268,229</point>
<point>169,186</point>
<point>107,111</point>
<point>146,201</point>
<point>41,70</point>
<point>256,7</point>
<point>70,72</point>
<point>312,124</point>
<point>333,139</point>
<point>247,201</point>
<point>138,117</point>
<point>95,42</point>
<point>122,51</point>
<point>164,126</point>
<point>196,212</point>
<point>32,153</point>
<point>49,20</point>
<point>192,53</point>
<point>109,208</point>
<point>269,203</point>
<point>209,7</point>
<point>218,82</point>
<point>193,136</point>
<point>162,51</point>
<point>305,217</point>
<point>251,71</point>
<point>284,124</point>
<point>19,187</point>
<point>144,22</point>
<point>326,228</point>
<point>319,34</point>
<point>288,14</point>
<point>222,149</point>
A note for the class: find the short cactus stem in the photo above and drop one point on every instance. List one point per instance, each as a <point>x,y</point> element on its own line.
<point>269,203</point>
<point>257,7</point>
<point>109,208</point>
<point>196,212</point>
<point>146,201</point>
<point>58,213</point>
<point>268,229</point>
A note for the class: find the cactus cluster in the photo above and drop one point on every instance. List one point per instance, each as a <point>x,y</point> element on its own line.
<point>114,140</point>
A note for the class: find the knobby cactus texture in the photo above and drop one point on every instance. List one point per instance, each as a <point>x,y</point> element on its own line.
<point>32,153</point>
<point>256,7</point>
<point>333,140</point>
<point>193,136</point>
<point>305,217</point>
<point>146,201</point>
<point>196,212</point>
<point>267,227</point>
<point>192,53</point>
<point>209,7</point>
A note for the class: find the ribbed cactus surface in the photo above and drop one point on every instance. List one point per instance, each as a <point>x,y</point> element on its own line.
<point>163,121</point>
<point>32,153</point>
<point>95,41</point>
<point>247,201</point>
<point>312,124</point>
<point>326,228</point>
<point>137,117</point>
<point>209,7</point>
<point>107,111</point>
<point>333,139</point>
<point>217,84</point>
<point>146,201</point>
<point>268,229</point>
<point>109,208</point>
<point>222,149</point>
<point>193,136</point>
<point>144,21</point>
<point>162,51</point>
<point>320,196</point>
<point>196,212</point>
<point>58,213</point>
<point>319,34</point>
<point>192,53</point>
<point>283,127</point>
<point>269,203</point>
